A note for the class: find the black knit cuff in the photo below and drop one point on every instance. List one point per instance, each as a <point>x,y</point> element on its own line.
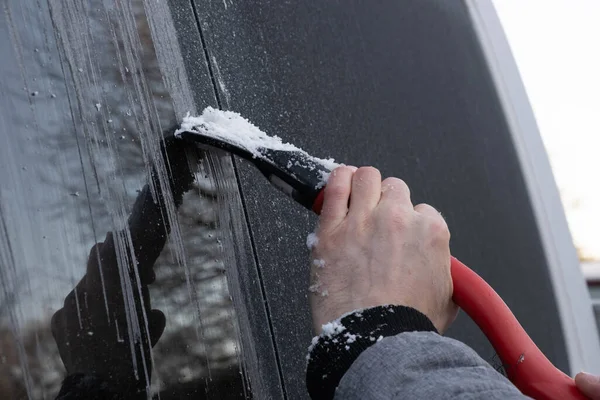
<point>342,341</point>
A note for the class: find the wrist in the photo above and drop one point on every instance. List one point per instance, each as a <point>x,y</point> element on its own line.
<point>342,341</point>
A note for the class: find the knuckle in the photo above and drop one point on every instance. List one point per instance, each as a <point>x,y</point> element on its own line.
<point>368,173</point>
<point>339,175</point>
<point>344,169</point>
<point>426,209</point>
<point>399,216</point>
<point>337,191</point>
<point>439,229</point>
<point>396,184</point>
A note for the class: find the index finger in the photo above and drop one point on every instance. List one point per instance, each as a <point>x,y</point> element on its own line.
<point>336,196</point>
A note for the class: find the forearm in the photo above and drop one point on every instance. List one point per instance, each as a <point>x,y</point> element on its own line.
<point>414,362</point>
<point>420,365</point>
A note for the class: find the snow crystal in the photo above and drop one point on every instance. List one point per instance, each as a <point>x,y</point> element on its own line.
<point>98,106</point>
<point>351,338</point>
<point>236,130</point>
<point>357,313</point>
<point>312,240</point>
<point>313,343</point>
<point>332,328</point>
<point>324,179</point>
<point>314,288</point>
<point>317,262</point>
<point>325,293</point>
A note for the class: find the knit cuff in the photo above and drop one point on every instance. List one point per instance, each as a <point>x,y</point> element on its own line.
<point>332,353</point>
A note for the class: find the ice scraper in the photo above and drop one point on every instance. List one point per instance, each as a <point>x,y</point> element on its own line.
<point>303,177</point>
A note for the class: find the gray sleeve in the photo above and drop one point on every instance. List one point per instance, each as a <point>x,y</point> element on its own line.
<point>423,365</point>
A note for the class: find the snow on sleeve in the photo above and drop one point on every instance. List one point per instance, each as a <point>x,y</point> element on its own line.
<point>332,328</point>
<point>329,330</point>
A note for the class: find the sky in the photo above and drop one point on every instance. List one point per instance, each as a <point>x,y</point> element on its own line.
<point>556,44</point>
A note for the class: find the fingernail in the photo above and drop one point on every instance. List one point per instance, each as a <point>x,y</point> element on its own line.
<point>589,378</point>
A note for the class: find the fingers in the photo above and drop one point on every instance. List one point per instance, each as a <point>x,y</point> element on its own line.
<point>366,190</point>
<point>395,191</point>
<point>156,324</point>
<point>337,194</point>
<point>438,228</point>
<point>427,210</point>
<point>588,384</point>
<point>147,276</point>
<point>57,325</point>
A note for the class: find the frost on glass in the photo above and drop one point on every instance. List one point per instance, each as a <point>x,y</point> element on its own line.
<point>102,223</point>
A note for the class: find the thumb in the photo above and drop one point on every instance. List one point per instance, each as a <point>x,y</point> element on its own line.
<point>588,384</point>
<point>156,324</point>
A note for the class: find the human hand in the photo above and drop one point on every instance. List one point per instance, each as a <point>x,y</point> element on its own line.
<point>378,249</point>
<point>114,346</point>
<point>107,326</point>
<point>589,385</point>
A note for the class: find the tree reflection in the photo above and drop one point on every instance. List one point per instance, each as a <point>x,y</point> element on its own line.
<point>103,163</point>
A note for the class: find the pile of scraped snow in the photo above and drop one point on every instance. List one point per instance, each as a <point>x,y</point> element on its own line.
<point>236,130</point>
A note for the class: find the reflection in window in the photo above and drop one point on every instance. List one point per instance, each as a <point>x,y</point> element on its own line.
<point>101,222</point>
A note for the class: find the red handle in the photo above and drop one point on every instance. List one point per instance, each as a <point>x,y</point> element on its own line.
<point>526,366</point>
<point>318,203</point>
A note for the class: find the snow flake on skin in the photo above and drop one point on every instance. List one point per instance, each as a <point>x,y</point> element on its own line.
<point>318,262</point>
<point>312,240</point>
<point>314,288</point>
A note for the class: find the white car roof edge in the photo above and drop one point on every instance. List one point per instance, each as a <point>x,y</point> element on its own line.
<point>572,297</point>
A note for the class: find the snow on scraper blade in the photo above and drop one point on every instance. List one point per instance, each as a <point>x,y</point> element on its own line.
<point>288,167</point>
